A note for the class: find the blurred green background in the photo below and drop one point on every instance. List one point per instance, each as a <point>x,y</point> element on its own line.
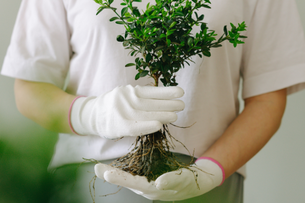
<point>23,163</point>
<point>25,147</point>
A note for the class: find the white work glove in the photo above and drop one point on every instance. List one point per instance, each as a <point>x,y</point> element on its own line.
<point>126,111</point>
<point>171,186</point>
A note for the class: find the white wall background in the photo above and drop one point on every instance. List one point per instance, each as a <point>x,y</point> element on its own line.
<point>275,175</point>
<point>14,126</point>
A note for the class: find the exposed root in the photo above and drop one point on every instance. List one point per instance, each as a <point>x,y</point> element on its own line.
<point>151,156</point>
<point>112,193</point>
<point>183,126</point>
<point>92,185</point>
<point>91,160</point>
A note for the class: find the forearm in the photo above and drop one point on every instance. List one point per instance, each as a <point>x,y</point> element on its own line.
<point>249,132</point>
<point>44,103</point>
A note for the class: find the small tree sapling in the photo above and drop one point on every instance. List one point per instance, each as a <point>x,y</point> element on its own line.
<point>162,42</point>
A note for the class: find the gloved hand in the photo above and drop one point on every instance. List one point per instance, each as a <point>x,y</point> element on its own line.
<point>171,186</point>
<point>126,111</point>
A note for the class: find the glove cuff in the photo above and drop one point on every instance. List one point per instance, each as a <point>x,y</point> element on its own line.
<point>81,119</point>
<point>216,162</point>
<point>69,116</point>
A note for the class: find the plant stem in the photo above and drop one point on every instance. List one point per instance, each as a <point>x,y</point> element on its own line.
<point>156,78</point>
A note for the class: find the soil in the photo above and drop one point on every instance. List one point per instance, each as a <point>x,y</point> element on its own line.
<point>151,156</point>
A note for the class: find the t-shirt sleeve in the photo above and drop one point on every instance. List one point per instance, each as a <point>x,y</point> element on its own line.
<point>39,49</point>
<point>274,52</point>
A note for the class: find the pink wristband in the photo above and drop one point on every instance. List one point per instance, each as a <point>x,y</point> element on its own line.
<point>216,162</point>
<point>69,116</point>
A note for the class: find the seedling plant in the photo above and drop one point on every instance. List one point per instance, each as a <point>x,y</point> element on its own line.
<point>162,41</point>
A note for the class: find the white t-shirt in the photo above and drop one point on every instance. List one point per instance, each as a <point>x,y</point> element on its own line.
<point>52,38</point>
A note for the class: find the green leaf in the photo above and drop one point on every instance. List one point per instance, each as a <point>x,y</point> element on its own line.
<point>201,17</point>
<point>154,70</point>
<point>119,22</point>
<point>173,24</point>
<point>147,6</point>
<point>133,52</point>
<point>205,6</point>
<point>206,53</point>
<point>123,11</point>
<point>113,19</point>
<point>125,43</point>
<point>137,0</point>
<point>190,41</point>
<point>159,48</point>
<point>136,12</point>
<point>216,45</point>
<point>164,81</point>
<point>162,35</point>
<point>242,26</point>
<point>97,1</point>
<point>179,13</point>
<point>169,32</point>
<point>203,26</point>
<point>130,64</point>
<point>120,38</point>
<point>148,58</point>
<point>137,76</point>
<point>131,19</point>
<point>173,84</point>
<point>100,9</point>
<point>233,26</point>
<point>137,60</point>
<point>196,14</point>
<point>144,73</point>
<point>110,1</point>
<point>225,29</point>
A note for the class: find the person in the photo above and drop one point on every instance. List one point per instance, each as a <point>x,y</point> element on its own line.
<point>70,78</point>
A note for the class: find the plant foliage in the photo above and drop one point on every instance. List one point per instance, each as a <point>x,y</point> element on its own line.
<point>162,41</point>
<point>162,35</point>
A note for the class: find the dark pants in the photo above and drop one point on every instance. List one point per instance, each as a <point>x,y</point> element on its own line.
<point>77,190</point>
